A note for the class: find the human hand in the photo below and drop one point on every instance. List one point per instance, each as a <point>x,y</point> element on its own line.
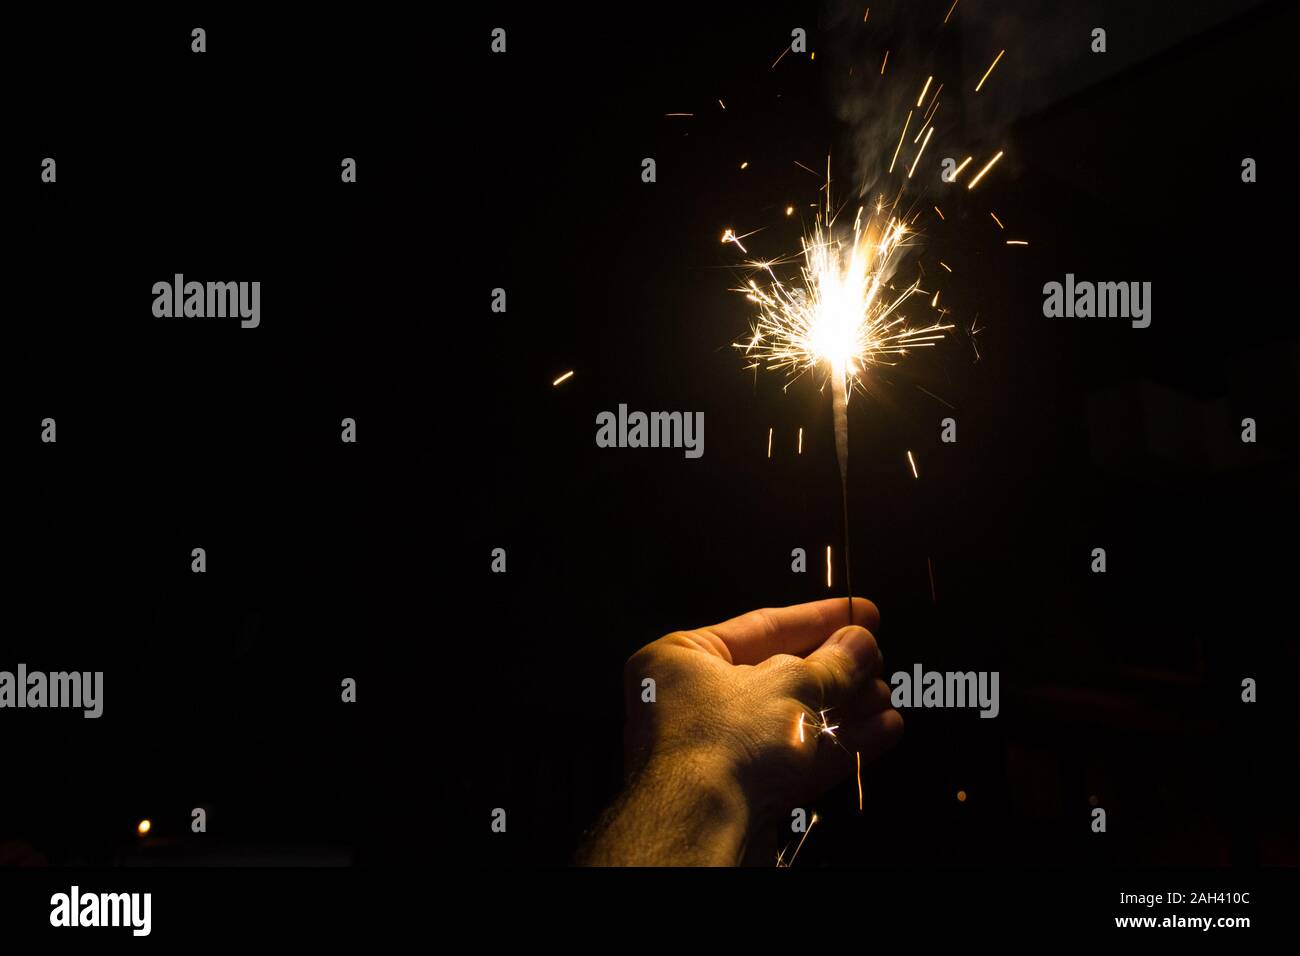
<point>722,750</point>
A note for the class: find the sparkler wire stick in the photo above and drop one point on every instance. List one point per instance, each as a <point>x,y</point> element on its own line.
<point>840,413</point>
<point>840,317</point>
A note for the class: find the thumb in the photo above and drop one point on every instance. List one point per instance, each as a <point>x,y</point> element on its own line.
<point>848,659</point>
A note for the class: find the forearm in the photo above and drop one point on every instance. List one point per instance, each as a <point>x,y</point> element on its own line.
<point>685,811</point>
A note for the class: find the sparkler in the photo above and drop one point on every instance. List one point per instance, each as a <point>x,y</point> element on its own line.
<point>843,316</point>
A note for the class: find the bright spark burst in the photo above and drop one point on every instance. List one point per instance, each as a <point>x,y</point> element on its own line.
<point>823,726</point>
<point>844,314</point>
<point>819,726</point>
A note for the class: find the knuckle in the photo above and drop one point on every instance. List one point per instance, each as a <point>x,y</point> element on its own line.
<point>639,664</point>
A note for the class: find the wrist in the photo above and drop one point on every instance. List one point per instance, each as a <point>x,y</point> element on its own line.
<point>703,792</point>
<point>684,808</point>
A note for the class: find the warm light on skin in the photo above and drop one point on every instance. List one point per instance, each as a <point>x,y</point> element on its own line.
<point>143,827</point>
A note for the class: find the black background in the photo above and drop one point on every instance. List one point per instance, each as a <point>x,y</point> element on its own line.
<point>522,171</point>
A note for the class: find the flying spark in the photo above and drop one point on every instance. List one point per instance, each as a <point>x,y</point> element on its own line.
<point>780,857</point>
<point>988,71</point>
<point>987,167</point>
<point>919,152</point>
<point>920,99</point>
<point>859,756</point>
<point>901,137</point>
<point>564,377</point>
